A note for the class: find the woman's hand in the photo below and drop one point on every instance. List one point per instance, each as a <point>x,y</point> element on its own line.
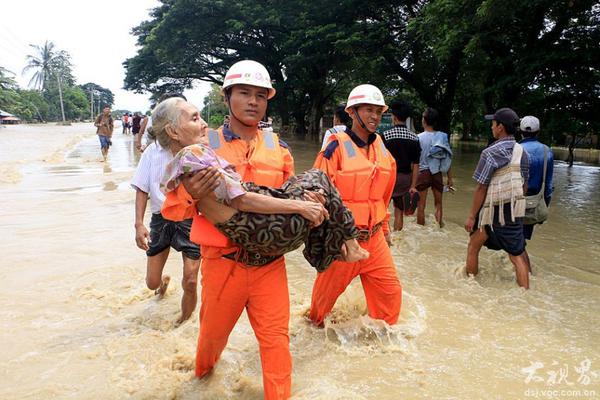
<point>202,183</point>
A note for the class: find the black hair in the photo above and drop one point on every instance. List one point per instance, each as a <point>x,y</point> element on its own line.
<point>510,129</point>
<point>400,109</point>
<point>431,117</point>
<point>168,95</point>
<point>341,114</point>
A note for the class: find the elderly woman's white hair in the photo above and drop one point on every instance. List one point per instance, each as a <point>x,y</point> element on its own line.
<point>166,114</point>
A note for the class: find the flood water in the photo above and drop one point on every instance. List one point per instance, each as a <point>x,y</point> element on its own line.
<point>78,321</point>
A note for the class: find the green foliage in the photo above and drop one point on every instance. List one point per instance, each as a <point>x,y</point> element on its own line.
<point>214,109</point>
<point>43,103</point>
<point>465,58</point>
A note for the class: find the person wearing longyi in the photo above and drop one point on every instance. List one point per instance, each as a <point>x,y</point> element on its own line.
<point>496,216</point>
<point>364,172</point>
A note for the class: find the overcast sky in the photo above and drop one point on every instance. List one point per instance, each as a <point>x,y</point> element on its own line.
<point>95,34</point>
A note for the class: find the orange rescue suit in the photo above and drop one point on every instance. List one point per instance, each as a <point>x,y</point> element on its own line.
<point>365,177</point>
<point>229,287</point>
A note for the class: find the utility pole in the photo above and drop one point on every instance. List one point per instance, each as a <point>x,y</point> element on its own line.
<point>91,103</point>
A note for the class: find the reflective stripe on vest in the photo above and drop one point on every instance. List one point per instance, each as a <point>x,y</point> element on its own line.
<point>269,140</point>
<point>214,140</point>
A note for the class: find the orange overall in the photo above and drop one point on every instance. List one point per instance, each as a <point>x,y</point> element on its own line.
<point>364,174</point>
<point>229,286</point>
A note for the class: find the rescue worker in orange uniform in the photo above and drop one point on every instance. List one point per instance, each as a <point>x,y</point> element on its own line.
<point>232,279</point>
<point>363,171</point>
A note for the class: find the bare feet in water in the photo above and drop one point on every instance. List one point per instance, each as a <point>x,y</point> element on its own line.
<point>352,252</point>
<point>163,286</point>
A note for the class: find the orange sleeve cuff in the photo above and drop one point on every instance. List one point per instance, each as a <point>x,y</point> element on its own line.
<point>178,205</point>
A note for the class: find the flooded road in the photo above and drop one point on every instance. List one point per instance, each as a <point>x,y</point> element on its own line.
<point>78,322</point>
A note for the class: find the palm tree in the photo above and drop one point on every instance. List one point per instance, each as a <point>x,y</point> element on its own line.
<point>47,63</point>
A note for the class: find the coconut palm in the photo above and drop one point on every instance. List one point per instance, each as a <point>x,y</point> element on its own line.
<point>47,63</point>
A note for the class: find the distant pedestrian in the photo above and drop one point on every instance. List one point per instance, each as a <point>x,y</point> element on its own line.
<point>125,122</point>
<point>541,168</point>
<point>436,159</point>
<point>135,123</point>
<point>105,125</point>
<point>496,216</point>
<point>341,119</point>
<point>404,146</point>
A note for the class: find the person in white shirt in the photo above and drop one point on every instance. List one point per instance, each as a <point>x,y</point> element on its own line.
<point>163,234</point>
<point>340,122</point>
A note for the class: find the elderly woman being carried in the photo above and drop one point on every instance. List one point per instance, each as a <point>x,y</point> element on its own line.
<point>261,220</point>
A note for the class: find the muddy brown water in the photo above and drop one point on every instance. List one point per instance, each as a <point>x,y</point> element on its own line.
<point>78,322</point>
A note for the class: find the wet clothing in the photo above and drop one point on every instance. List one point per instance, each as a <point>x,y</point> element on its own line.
<point>165,234</point>
<point>402,186</point>
<point>105,125</point>
<point>378,275</point>
<point>229,286</point>
<point>269,236</point>
<point>508,237</point>
<point>427,180</point>
<point>104,142</point>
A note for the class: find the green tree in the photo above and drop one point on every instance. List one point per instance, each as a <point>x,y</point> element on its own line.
<point>100,96</point>
<point>49,63</point>
<point>214,109</point>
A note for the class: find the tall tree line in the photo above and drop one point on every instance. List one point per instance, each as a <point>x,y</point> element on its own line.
<point>464,58</point>
<point>54,95</point>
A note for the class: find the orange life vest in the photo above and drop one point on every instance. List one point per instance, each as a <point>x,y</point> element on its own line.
<point>263,167</point>
<point>362,181</point>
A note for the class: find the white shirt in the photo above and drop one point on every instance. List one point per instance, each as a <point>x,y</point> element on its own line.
<point>331,131</point>
<point>149,172</point>
<point>145,136</point>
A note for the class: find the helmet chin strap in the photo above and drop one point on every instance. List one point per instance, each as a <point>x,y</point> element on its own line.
<point>235,116</point>
<point>360,121</point>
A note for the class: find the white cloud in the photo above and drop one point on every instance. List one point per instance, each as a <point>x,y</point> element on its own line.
<point>95,34</point>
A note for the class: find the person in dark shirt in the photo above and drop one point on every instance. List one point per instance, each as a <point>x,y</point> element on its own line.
<point>404,146</point>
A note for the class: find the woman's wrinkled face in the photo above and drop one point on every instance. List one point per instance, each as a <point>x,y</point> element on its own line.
<point>248,103</point>
<point>192,128</point>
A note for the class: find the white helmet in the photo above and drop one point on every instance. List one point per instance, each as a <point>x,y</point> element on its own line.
<point>365,94</point>
<point>248,72</point>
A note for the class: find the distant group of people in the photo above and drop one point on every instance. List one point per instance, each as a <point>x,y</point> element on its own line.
<point>131,123</point>
<point>135,124</point>
<point>206,202</point>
